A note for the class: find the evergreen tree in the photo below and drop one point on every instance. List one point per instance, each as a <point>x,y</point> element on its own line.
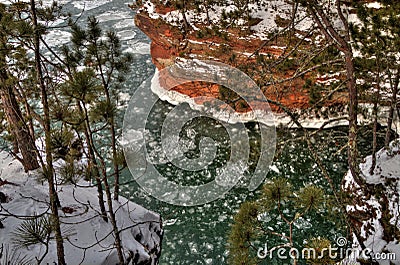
<point>48,168</point>
<point>96,71</point>
<point>277,202</point>
<point>21,32</point>
<point>377,39</point>
<point>109,66</point>
<point>10,27</point>
<point>77,88</point>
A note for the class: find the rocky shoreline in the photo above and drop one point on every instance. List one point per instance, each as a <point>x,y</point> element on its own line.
<point>326,117</point>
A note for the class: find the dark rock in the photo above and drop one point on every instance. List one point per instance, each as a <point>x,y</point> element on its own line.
<point>3,198</point>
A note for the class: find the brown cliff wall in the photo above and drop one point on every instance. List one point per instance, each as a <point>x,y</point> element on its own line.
<point>169,43</point>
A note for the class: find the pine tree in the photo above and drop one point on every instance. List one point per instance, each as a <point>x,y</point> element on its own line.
<point>377,67</point>
<point>278,202</point>
<point>24,140</point>
<point>19,23</point>
<point>110,65</point>
<point>377,38</point>
<point>92,69</point>
<point>48,168</point>
<point>81,89</point>
<point>102,67</point>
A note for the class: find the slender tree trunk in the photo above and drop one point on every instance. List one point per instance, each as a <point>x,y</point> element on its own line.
<point>48,170</point>
<point>342,42</point>
<point>105,83</point>
<point>106,88</point>
<point>118,242</point>
<point>93,163</point>
<point>113,147</point>
<point>353,120</point>
<point>398,111</point>
<point>374,140</point>
<point>393,106</point>
<point>113,144</point>
<point>375,129</point>
<point>115,161</point>
<point>185,21</point>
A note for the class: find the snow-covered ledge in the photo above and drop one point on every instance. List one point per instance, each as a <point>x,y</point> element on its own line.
<point>328,117</point>
<point>386,174</point>
<point>88,239</point>
<point>175,98</point>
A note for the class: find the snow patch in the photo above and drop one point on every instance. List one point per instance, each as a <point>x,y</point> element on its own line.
<point>141,231</point>
<point>387,174</point>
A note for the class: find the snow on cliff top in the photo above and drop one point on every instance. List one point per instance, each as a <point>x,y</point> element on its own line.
<point>270,12</point>
<point>140,228</point>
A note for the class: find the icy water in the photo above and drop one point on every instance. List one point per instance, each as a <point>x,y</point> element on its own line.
<point>198,235</point>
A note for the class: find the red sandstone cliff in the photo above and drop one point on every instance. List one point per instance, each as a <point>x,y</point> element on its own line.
<point>169,42</point>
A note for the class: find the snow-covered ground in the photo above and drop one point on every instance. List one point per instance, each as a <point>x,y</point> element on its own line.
<point>269,11</point>
<point>386,176</point>
<point>87,238</point>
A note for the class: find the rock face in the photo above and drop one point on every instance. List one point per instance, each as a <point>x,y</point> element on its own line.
<point>232,47</point>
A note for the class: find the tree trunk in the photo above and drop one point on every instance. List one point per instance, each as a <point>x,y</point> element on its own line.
<point>118,242</point>
<point>398,111</point>
<point>92,161</point>
<point>342,42</point>
<point>115,162</point>
<point>375,129</point>
<point>48,169</point>
<point>111,121</point>
<point>19,129</point>
<point>393,106</point>
<point>353,112</point>
<point>113,147</point>
<point>185,21</point>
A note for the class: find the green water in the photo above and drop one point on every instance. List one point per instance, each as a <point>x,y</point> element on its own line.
<point>198,235</point>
